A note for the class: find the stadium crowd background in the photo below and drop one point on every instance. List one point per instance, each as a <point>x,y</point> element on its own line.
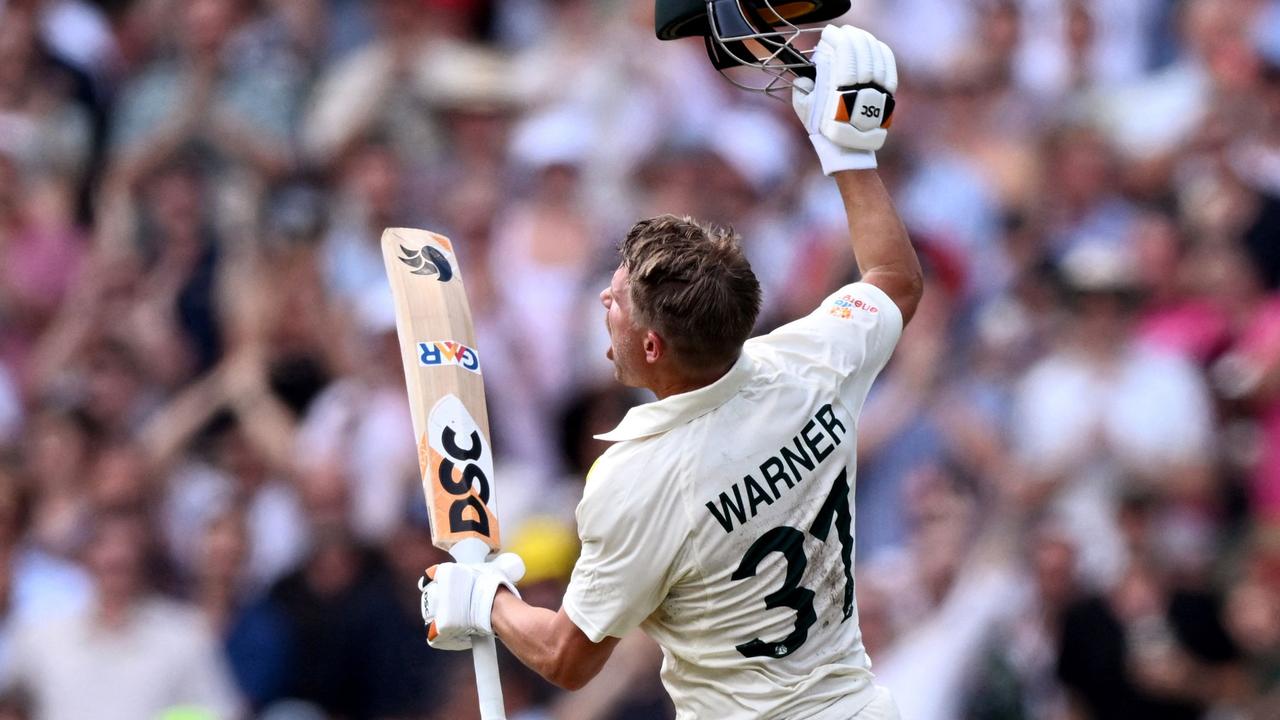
<point>1068,497</point>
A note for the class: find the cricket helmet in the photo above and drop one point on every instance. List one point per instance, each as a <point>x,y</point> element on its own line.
<point>761,34</point>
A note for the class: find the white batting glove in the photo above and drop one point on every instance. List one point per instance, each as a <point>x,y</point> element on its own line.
<point>847,108</point>
<point>457,599</point>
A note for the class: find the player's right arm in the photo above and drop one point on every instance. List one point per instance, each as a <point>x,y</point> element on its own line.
<point>846,110</point>
<point>623,573</point>
<point>549,642</point>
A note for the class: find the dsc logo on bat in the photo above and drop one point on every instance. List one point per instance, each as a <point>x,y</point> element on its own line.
<point>447,352</point>
<point>457,464</point>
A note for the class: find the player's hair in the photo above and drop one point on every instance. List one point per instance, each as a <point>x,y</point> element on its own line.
<point>691,282</point>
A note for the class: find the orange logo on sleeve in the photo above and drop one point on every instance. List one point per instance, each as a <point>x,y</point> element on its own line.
<point>846,305</point>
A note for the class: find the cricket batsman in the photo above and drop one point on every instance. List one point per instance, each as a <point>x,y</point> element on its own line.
<point>721,519</point>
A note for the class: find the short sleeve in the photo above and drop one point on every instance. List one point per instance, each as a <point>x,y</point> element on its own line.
<point>632,531</point>
<point>853,332</point>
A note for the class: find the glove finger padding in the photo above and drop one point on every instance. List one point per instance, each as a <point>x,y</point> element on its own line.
<point>446,607</point>
<point>890,82</point>
<point>863,76</point>
<point>512,567</point>
<point>847,106</point>
<point>807,96</point>
<point>857,58</point>
<point>429,590</point>
<point>505,570</point>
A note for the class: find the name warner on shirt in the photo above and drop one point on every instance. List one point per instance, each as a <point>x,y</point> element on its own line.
<point>782,471</point>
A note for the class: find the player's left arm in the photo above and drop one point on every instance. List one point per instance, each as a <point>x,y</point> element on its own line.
<point>881,247</point>
<point>847,109</point>
<point>549,642</point>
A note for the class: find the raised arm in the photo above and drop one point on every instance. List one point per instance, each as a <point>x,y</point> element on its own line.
<point>880,243</point>
<point>847,110</point>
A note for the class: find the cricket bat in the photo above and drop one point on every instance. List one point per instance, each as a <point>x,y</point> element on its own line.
<point>446,399</point>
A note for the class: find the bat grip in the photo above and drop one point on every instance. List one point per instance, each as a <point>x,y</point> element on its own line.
<point>484,652</point>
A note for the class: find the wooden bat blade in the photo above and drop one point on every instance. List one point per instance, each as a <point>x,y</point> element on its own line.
<point>443,372</point>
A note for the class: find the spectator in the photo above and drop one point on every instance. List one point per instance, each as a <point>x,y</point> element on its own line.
<point>198,492</point>
<point>254,632</point>
<point>1079,440</point>
<point>343,434</point>
<point>349,634</point>
<point>1145,650</point>
<point>149,653</point>
<point>37,586</point>
<point>1250,372</point>
<point>229,93</point>
<point>379,89</point>
<point>58,455</point>
<point>42,122</point>
<point>369,198</point>
<point>1100,409</point>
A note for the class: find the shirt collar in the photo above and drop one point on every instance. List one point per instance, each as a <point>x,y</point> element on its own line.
<point>662,415</point>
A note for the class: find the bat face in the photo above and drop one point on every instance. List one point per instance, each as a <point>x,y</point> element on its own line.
<point>443,372</point>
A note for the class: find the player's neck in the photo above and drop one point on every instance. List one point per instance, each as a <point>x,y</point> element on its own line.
<point>678,383</point>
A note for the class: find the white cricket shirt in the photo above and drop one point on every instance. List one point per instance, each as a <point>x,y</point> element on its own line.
<point>721,522</point>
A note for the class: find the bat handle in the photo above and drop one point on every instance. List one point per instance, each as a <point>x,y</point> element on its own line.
<point>484,653</point>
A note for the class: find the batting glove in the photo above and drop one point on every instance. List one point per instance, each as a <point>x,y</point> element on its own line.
<point>847,108</point>
<point>457,599</point>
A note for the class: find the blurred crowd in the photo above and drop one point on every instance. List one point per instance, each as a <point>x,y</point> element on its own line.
<point>1068,493</point>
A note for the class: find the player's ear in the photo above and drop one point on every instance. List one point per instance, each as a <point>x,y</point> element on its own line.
<point>655,348</point>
